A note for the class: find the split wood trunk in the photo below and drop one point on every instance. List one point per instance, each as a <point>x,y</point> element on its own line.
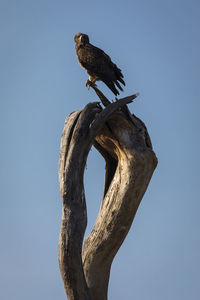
<point>123,141</point>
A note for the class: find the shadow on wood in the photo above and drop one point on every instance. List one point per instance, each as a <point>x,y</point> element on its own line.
<point>122,139</point>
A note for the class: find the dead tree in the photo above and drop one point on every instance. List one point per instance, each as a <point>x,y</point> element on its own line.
<point>122,139</point>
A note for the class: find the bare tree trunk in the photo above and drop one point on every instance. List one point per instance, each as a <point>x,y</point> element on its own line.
<point>124,143</point>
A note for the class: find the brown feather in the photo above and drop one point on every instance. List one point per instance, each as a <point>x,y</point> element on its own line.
<point>97,63</point>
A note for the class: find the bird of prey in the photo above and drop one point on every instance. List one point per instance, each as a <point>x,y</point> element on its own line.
<point>98,64</point>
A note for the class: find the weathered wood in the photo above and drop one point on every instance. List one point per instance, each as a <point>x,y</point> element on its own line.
<point>124,143</point>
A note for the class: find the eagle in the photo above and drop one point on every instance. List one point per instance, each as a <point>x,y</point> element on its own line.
<point>98,64</point>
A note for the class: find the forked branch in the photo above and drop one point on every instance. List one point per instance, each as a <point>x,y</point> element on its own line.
<point>123,141</point>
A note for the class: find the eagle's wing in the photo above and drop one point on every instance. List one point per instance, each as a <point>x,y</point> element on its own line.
<point>99,64</point>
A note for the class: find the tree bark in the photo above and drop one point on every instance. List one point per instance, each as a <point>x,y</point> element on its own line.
<point>123,141</point>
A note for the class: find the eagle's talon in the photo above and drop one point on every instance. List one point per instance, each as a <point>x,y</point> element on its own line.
<point>90,84</point>
<point>87,84</point>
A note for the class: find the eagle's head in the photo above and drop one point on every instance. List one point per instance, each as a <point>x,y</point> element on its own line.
<point>81,38</point>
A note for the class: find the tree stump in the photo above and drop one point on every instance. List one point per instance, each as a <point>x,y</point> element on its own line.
<point>122,139</point>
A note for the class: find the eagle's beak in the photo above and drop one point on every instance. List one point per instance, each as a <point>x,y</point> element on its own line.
<point>80,38</point>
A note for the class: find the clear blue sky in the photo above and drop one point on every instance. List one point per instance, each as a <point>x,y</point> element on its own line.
<point>157,45</point>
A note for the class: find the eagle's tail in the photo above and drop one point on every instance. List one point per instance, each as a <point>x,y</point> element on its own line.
<point>112,87</point>
<point>118,85</point>
<point>121,80</point>
<point>119,75</point>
